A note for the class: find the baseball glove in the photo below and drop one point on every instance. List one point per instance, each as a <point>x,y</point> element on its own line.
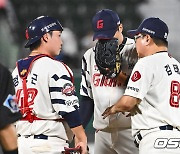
<point>107,57</point>
<point>76,150</point>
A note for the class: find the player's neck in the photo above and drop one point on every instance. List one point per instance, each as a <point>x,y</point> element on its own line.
<point>35,52</point>
<point>160,48</point>
<point>38,51</point>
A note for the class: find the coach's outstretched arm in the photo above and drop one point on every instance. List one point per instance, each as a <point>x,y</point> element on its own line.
<point>125,104</point>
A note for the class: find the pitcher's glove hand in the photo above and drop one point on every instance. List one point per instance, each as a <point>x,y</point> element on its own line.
<point>107,57</point>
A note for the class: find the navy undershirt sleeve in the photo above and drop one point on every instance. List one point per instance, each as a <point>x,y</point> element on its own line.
<point>86,110</point>
<point>73,119</point>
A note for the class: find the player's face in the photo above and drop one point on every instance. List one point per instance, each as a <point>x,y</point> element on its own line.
<point>55,43</point>
<point>119,34</point>
<point>140,44</point>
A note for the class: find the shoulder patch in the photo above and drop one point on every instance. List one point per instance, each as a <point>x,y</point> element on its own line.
<point>136,76</point>
<point>68,89</point>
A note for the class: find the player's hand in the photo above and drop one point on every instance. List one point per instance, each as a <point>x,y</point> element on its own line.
<point>83,147</point>
<point>76,150</point>
<point>122,78</point>
<point>110,110</point>
<point>134,111</point>
<point>80,138</point>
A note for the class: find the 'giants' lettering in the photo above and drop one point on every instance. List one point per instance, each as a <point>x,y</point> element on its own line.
<point>101,80</point>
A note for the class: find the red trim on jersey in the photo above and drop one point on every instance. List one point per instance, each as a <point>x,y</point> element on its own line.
<point>72,78</point>
<point>29,68</point>
<point>25,103</point>
<point>33,117</point>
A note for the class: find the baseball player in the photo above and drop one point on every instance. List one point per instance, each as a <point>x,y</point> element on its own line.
<point>152,93</point>
<point>102,85</point>
<point>9,113</point>
<point>46,94</point>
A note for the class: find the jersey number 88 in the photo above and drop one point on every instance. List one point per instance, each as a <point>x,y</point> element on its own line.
<point>175,94</point>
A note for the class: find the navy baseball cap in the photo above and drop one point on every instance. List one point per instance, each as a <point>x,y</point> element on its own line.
<point>153,26</point>
<point>105,24</point>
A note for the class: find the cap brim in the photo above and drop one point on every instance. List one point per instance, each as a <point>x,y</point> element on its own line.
<point>31,41</point>
<point>104,34</point>
<point>132,33</point>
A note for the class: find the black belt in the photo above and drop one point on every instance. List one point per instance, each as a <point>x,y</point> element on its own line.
<point>138,136</point>
<point>166,127</point>
<point>41,136</point>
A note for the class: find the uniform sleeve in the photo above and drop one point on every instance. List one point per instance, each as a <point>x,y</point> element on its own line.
<point>9,112</point>
<point>87,102</point>
<point>85,87</point>
<point>86,110</point>
<point>62,91</point>
<point>6,84</point>
<point>140,80</point>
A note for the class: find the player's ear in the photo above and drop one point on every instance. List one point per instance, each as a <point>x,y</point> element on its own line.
<point>146,39</point>
<point>120,28</point>
<point>45,37</point>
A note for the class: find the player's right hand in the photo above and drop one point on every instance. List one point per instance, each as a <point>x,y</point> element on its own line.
<point>110,110</point>
<point>68,150</point>
<point>83,147</point>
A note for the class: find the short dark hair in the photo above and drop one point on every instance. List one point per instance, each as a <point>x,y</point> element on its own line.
<point>37,43</point>
<point>157,41</point>
<point>160,42</point>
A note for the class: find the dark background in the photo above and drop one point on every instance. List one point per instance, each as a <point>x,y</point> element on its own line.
<point>74,14</point>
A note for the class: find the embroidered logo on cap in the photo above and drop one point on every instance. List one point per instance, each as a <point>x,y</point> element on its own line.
<point>100,24</point>
<point>27,34</point>
<point>136,76</point>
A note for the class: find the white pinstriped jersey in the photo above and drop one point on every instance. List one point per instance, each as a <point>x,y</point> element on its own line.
<point>50,95</point>
<point>104,91</point>
<point>155,80</point>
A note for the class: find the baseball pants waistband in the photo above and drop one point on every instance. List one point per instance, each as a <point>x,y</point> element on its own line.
<point>44,137</point>
<point>138,137</point>
<point>41,136</point>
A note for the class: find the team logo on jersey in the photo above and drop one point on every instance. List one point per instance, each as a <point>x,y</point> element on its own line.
<point>68,89</point>
<point>136,76</point>
<point>100,80</point>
